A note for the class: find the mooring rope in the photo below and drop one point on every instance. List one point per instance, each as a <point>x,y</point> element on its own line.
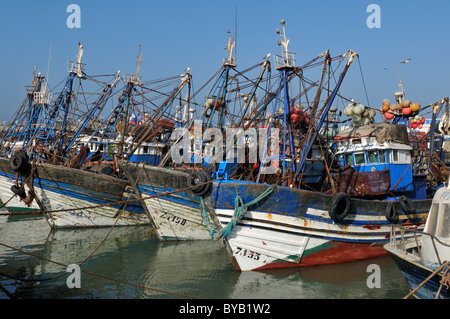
<point>240,208</point>
<point>443,281</point>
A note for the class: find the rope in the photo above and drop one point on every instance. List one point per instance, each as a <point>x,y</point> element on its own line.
<point>207,221</point>
<point>364,83</point>
<point>428,278</point>
<point>444,282</point>
<point>240,208</point>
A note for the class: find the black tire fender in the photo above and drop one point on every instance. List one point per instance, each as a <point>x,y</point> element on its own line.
<point>206,177</point>
<point>339,207</point>
<point>18,162</point>
<point>407,205</point>
<point>197,178</point>
<point>391,212</point>
<point>18,191</point>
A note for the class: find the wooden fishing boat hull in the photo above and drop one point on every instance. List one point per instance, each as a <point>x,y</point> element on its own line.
<point>293,228</point>
<point>288,228</point>
<point>85,199</point>
<point>176,215</point>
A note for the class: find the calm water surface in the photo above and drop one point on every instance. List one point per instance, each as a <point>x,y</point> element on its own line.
<point>132,264</point>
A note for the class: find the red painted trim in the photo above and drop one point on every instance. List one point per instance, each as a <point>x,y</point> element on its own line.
<point>333,253</point>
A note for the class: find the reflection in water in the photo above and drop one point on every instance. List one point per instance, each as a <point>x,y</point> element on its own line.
<point>143,267</point>
<point>343,281</point>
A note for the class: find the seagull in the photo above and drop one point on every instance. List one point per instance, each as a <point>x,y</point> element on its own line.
<point>406,61</point>
<point>267,56</point>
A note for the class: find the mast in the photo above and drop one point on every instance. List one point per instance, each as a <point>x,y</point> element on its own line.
<point>152,122</point>
<point>131,81</point>
<point>97,108</point>
<point>63,101</point>
<point>285,64</point>
<point>314,130</point>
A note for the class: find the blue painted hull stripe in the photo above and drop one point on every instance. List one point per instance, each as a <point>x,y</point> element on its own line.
<point>97,199</point>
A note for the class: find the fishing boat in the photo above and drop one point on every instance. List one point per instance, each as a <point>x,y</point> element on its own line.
<point>35,177</point>
<point>290,226</point>
<point>278,220</point>
<point>69,195</point>
<point>424,259</point>
<point>36,99</point>
<point>176,215</point>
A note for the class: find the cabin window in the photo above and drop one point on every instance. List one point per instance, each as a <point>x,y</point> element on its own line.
<point>349,159</point>
<point>145,149</point>
<point>443,222</point>
<point>360,158</point>
<point>382,156</point>
<point>432,219</point>
<point>395,155</point>
<point>401,156</point>
<point>407,156</point>
<point>372,156</point>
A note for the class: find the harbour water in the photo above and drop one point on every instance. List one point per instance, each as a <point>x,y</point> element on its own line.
<point>131,263</point>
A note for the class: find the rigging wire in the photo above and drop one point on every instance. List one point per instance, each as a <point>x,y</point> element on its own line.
<point>364,83</point>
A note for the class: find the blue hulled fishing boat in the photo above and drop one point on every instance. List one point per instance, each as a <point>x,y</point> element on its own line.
<point>55,171</point>
<point>268,212</point>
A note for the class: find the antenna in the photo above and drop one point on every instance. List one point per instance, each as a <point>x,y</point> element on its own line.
<point>287,58</point>
<point>230,48</point>
<point>235,30</point>
<point>139,60</point>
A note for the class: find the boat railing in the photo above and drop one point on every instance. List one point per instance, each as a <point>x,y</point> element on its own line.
<point>133,78</point>
<point>43,98</point>
<point>400,236</point>
<point>29,89</point>
<point>75,67</point>
<point>284,61</point>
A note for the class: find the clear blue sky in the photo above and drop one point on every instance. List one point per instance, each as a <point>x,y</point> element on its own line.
<point>175,34</point>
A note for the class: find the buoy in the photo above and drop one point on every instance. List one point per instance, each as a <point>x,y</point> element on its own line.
<point>389,115</point>
<point>415,107</point>
<point>307,119</point>
<point>357,109</point>
<point>406,111</point>
<point>348,111</point>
